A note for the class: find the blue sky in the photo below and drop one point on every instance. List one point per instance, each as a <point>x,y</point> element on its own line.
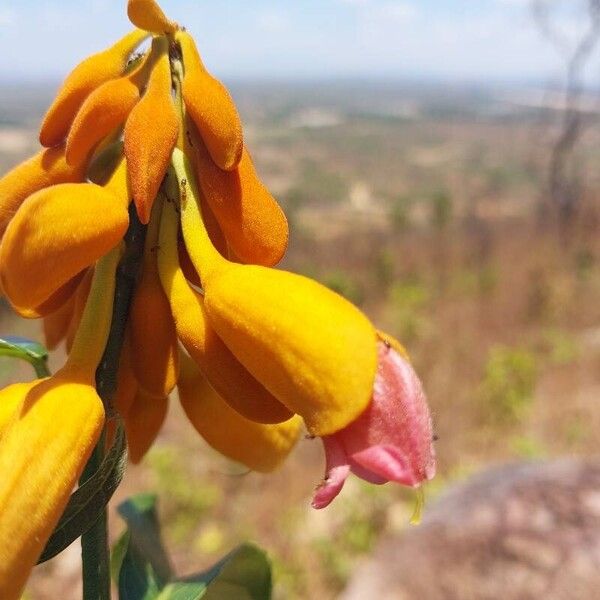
<point>451,39</point>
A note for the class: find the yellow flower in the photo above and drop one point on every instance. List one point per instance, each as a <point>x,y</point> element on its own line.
<point>152,145</point>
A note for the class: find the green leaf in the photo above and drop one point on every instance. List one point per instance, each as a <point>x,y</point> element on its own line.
<point>183,591</point>
<point>244,574</point>
<point>33,352</point>
<point>87,503</point>
<point>145,568</point>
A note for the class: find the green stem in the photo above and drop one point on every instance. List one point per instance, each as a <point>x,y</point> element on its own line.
<point>95,554</point>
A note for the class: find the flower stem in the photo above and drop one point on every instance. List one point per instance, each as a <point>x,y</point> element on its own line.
<point>95,552</point>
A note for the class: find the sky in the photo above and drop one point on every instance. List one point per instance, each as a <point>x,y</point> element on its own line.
<point>468,40</point>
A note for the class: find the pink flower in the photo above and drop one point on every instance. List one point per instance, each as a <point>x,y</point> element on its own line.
<point>390,441</point>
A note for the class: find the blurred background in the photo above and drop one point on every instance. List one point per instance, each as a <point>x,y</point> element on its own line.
<point>437,161</point>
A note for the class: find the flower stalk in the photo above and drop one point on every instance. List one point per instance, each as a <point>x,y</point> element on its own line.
<point>94,543</point>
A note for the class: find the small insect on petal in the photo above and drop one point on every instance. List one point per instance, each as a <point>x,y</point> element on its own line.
<point>45,169</point>
<point>151,133</point>
<point>82,81</point>
<point>211,108</point>
<point>147,14</point>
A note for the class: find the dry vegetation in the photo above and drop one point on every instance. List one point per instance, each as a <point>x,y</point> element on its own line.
<point>431,222</point>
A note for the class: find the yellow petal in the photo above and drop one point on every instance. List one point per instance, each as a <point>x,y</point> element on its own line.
<point>11,398</point>
<point>225,373</point>
<point>45,169</point>
<point>154,349</point>
<point>102,112</point>
<point>42,454</point>
<point>260,447</point>
<point>147,14</point>
<point>57,233</point>
<point>311,348</point>
<point>253,223</point>
<point>80,300</point>
<point>211,108</point>
<point>151,133</point>
<point>143,423</point>
<point>84,79</point>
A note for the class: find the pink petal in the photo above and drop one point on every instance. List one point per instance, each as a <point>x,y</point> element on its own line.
<point>336,471</point>
<point>387,462</point>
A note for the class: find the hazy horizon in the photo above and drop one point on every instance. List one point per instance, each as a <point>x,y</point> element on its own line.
<point>493,41</point>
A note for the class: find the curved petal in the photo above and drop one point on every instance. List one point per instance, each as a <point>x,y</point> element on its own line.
<point>149,141</point>
<point>251,219</point>
<point>308,346</point>
<point>154,347</point>
<point>45,169</point>
<point>225,373</point>
<point>58,232</point>
<point>337,469</point>
<point>127,386</point>
<point>84,79</point>
<point>103,111</point>
<point>42,454</point>
<point>143,423</point>
<point>211,108</point>
<point>147,14</point>
<point>260,447</point>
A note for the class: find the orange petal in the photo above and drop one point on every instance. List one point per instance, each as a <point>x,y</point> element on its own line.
<point>103,111</point>
<point>211,108</point>
<point>58,232</point>
<point>252,221</point>
<point>147,14</point>
<point>56,324</point>
<point>84,79</point>
<point>154,348</point>
<point>58,299</point>
<point>143,423</point>
<point>151,133</point>
<point>260,447</point>
<point>127,386</point>
<point>46,168</point>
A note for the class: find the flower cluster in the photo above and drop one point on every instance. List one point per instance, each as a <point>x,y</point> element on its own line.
<point>255,353</point>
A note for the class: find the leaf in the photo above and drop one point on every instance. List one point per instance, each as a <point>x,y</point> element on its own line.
<point>31,351</point>
<point>145,568</point>
<point>183,591</point>
<point>89,500</point>
<point>244,574</point>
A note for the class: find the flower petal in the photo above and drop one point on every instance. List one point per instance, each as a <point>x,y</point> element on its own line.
<point>103,111</point>
<point>147,14</point>
<point>253,223</point>
<point>84,79</point>
<point>211,108</point>
<point>57,232</point>
<point>154,347</point>
<point>45,169</point>
<point>56,324</point>
<point>308,346</point>
<point>143,423</point>
<point>149,141</point>
<point>42,454</point>
<point>225,373</point>
<point>260,447</point>
<point>337,470</point>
